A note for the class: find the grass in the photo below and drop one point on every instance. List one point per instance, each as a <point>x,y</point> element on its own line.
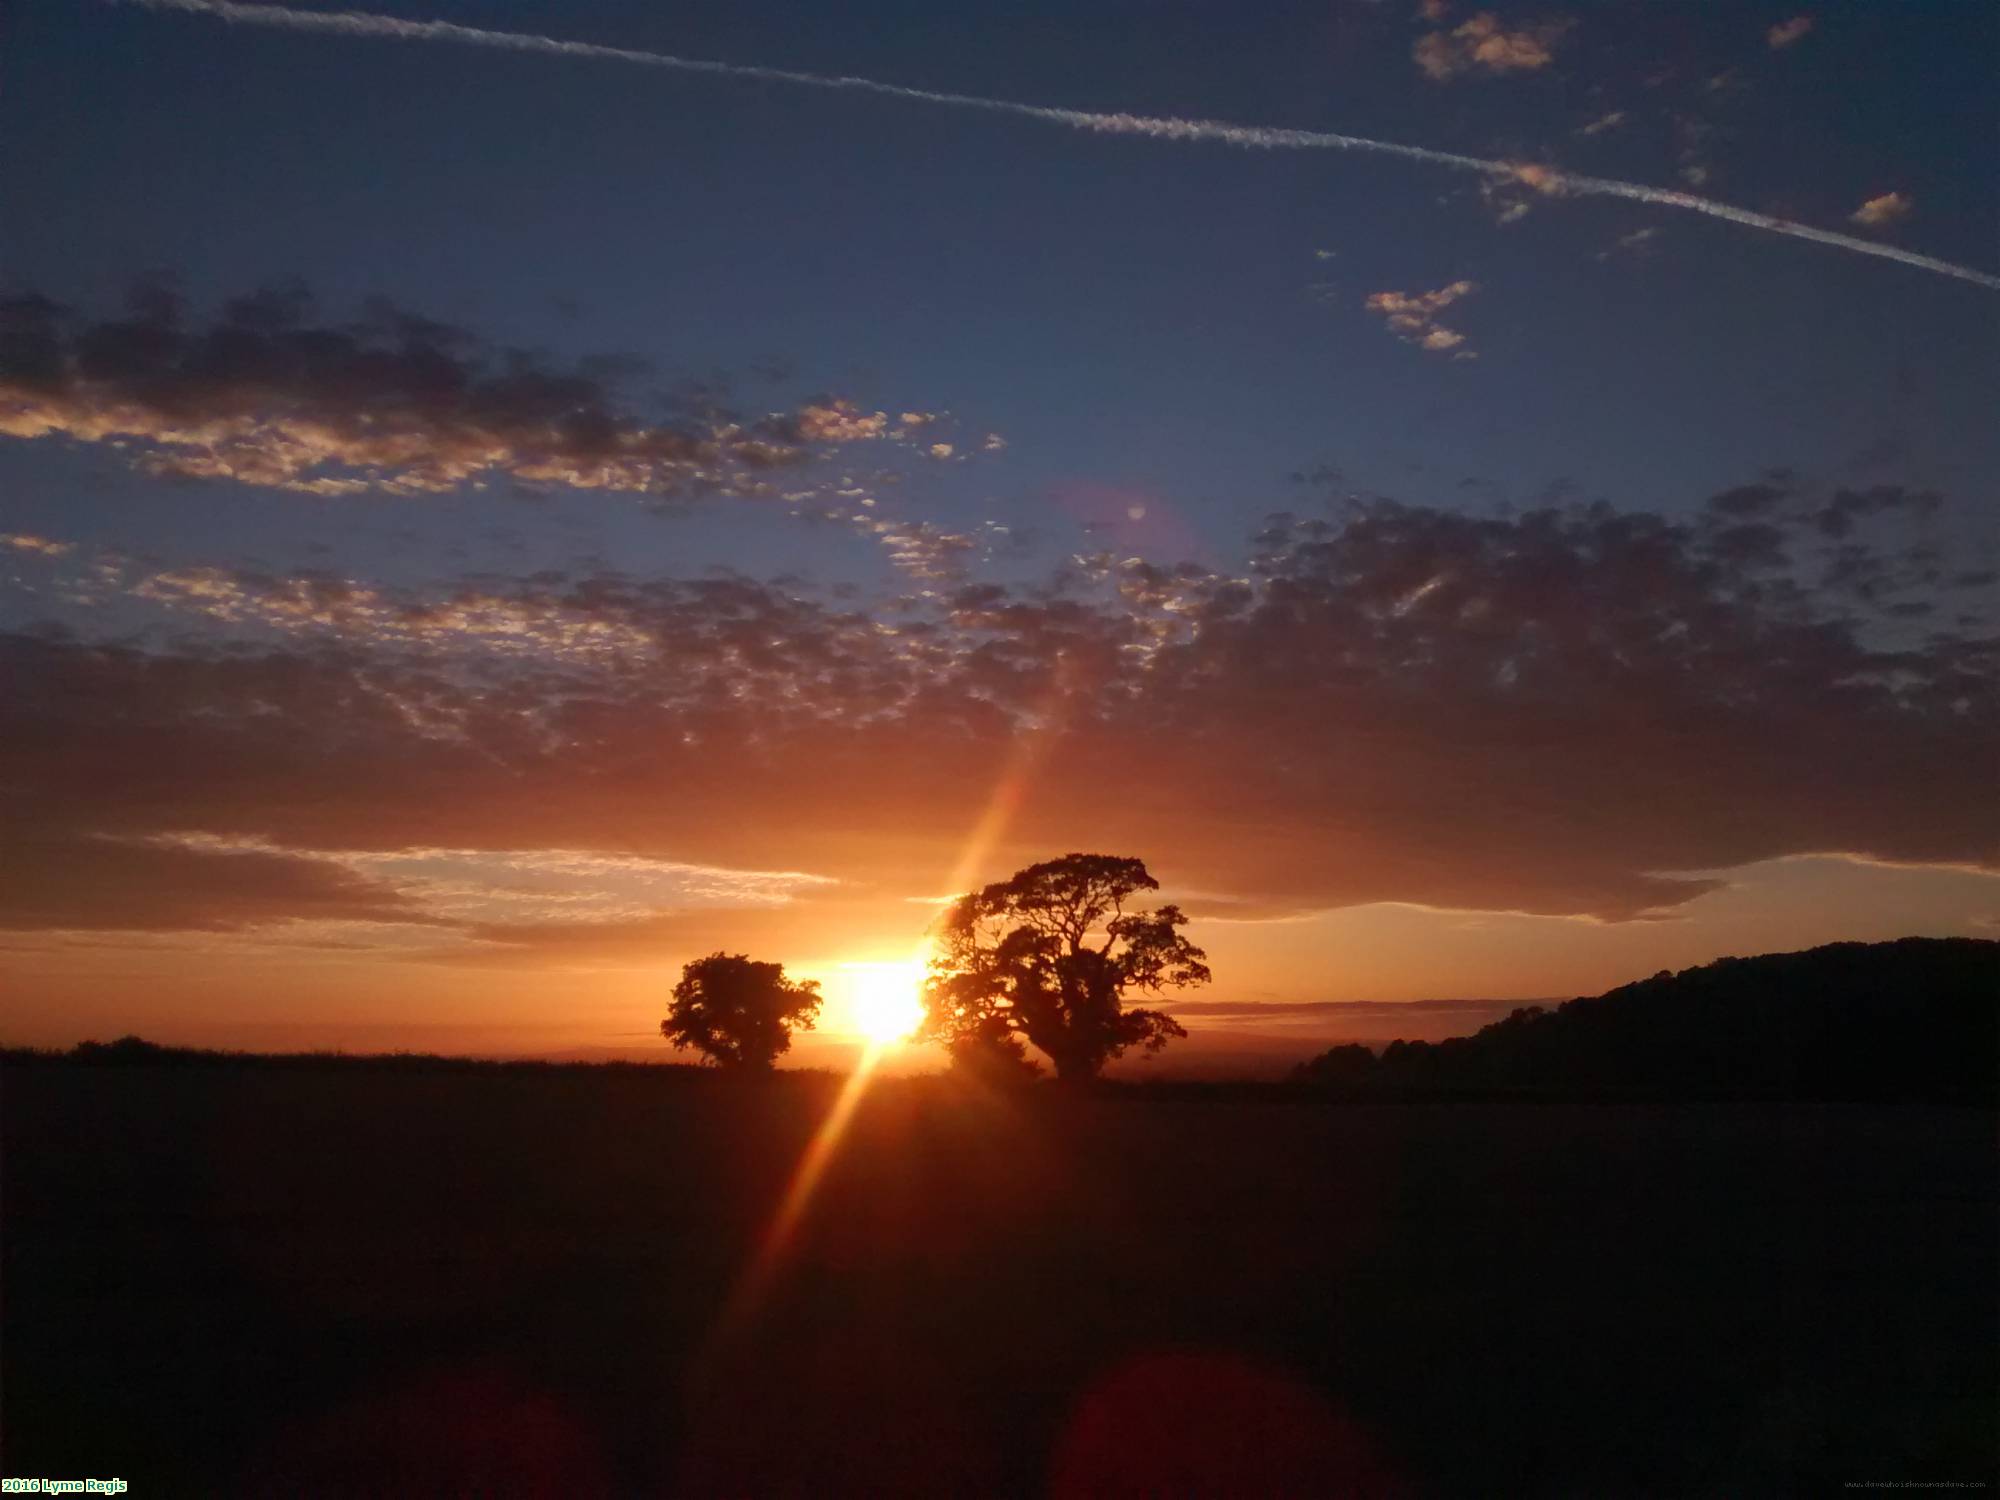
<point>400,1279</point>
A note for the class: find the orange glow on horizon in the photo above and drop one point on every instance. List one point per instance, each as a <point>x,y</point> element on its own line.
<point>885,1011</point>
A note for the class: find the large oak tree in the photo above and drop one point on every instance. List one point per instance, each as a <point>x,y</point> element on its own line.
<point>1047,957</point>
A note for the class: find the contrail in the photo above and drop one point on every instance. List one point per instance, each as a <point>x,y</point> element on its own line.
<point>1155,127</point>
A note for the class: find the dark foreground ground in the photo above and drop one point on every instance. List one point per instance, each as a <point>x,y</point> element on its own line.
<point>224,1280</point>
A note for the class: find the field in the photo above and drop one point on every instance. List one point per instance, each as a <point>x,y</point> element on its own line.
<point>345,1279</point>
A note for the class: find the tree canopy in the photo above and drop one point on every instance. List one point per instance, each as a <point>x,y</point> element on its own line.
<point>738,1012</point>
<point>1047,957</point>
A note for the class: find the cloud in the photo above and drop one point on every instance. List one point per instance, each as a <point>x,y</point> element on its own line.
<point>1412,317</point>
<point>1545,180</point>
<point>1483,44</point>
<point>1884,210</point>
<point>1548,713</point>
<point>1604,122</point>
<point>265,394</point>
<point>1638,243</point>
<point>479,888</point>
<point>839,422</point>
<point>1745,500</point>
<point>358,24</point>
<point>39,545</point>
<point>1839,516</point>
<point>72,881</point>
<point>1365,1020</point>
<point>926,551</point>
<point>1785,33</point>
<point>1513,195</point>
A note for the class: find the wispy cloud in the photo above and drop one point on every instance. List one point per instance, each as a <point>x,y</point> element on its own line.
<point>1156,127</point>
<point>1787,32</point>
<point>41,545</point>
<point>1638,242</point>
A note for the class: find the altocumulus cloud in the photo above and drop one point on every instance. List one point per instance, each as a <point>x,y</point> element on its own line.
<point>265,393</point>
<point>1549,713</point>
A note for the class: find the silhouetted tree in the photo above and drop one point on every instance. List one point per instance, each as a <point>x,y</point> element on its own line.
<point>989,1049</point>
<point>1348,1064</point>
<point>739,1012</point>
<point>1048,955</point>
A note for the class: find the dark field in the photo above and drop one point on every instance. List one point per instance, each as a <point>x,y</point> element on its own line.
<point>345,1280</point>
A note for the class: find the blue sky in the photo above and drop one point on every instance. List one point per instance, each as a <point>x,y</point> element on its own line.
<point>1126,312</point>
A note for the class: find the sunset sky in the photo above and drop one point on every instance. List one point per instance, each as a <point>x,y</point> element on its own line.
<point>482,524</point>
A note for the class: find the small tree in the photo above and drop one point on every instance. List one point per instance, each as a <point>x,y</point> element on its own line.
<point>738,1012</point>
<point>1048,956</point>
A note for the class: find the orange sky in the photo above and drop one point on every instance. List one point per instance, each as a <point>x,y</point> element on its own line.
<point>297,988</point>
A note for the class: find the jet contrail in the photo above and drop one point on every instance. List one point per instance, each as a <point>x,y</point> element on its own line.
<point>1155,127</point>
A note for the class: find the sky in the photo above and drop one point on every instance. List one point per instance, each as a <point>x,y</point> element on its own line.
<point>491,511</point>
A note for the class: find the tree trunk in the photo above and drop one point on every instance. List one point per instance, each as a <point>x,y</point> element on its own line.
<point>1073,1069</point>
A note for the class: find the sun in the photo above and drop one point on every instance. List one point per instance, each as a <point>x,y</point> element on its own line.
<point>883,998</point>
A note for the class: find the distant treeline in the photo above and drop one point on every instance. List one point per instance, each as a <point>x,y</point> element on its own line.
<point>132,1051</point>
<point>1916,1019</point>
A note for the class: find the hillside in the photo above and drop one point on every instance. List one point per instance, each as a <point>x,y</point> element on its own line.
<point>1913,1019</point>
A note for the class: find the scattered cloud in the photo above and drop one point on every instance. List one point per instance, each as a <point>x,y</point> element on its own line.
<point>265,393</point>
<point>1412,317</point>
<point>527,623</point>
<point>836,421</point>
<point>926,551</point>
<point>22,542</point>
<point>1604,122</point>
<point>1511,196</point>
<point>1482,44</point>
<point>1785,33</point>
<point>1538,713</point>
<point>1880,212</point>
